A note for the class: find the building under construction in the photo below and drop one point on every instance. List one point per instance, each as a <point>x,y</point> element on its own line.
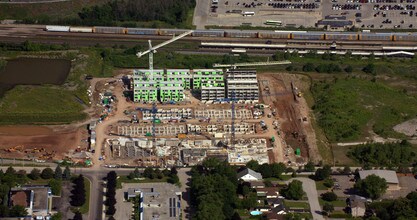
<point>242,85</point>
<point>169,85</point>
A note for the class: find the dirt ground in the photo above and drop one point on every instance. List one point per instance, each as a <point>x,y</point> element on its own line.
<point>291,110</point>
<point>39,142</point>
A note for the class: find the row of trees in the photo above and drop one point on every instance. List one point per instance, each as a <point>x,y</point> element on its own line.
<point>384,154</point>
<point>269,170</point>
<point>78,197</point>
<point>111,193</point>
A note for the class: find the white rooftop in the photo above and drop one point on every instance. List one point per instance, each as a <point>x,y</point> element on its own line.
<point>389,175</point>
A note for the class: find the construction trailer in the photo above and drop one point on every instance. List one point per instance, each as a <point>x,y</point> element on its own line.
<point>242,85</point>
<point>207,77</point>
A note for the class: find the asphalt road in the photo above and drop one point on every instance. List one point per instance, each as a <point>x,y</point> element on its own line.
<point>309,186</point>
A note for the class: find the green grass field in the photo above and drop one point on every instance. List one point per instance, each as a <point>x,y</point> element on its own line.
<point>124,179</point>
<point>337,203</point>
<point>297,204</point>
<point>348,108</point>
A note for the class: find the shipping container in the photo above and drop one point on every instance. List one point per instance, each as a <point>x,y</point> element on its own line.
<point>341,36</point>
<point>308,36</point>
<point>54,28</point>
<point>275,35</point>
<point>241,34</point>
<point>142,31</point>
<point>182,136</point>
<point>375,36</point>
<point>110,30</point>
<point>175,32</point>
<point>405,37</point>
<point>81,29</point>
<point>208,33</point>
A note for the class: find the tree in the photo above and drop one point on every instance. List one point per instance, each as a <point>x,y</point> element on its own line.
<point>78,216</point>
<point>372,186</point>
<point>328,183</point>
<point>35,174</point>
<point>10,171</point>
<point>18,211</point>
<point>328,208</point>
<point>412,196</point>
<point>309,167</point>
<point>323,173</point>
<point>134,174</point>
<point>249,201</point>
<point>148,173</point>
<point>347,170</point>
<point>349,69</point>
<point>277,169</point>
<point>56,216</point>
<point>47,173</point>
<point>56,186</point>
<point>58,173</point>
<point>110,210</point>
<point>253,165</point>
<point>174,171</point>
<point>67,173</point>
<point>329,196</point>
<point>294,190</point>
<point>265,170</point>
<point>309,67</point>
<point>78,197</point>
<point>401,209</point>
<point>370,68</point>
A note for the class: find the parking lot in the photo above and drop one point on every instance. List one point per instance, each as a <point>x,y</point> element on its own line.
<point>366,14</point>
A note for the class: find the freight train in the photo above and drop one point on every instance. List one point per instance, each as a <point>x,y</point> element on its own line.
<point>290,35</point>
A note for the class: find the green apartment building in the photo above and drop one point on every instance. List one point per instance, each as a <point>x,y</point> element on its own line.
<point>145,85</point>
<point>171,91</point>
<point>179,75</point>
<point>207,78</point>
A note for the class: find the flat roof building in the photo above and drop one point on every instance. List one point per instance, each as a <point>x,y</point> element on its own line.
<point>242,85</point>
<point>389,175</point>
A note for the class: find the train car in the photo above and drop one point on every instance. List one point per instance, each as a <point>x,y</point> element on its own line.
<point>109,30</point>
<point>170,32</point>
<point>404,37</point>
<point>375,36</point>
<point>342,36</point>
<point>241,34</point>
<point>55,28</point>
<point>142,31</point>
<point>275,34</point>
<point>308,36</point>
<point>208,33</point>
<point>81,29</point>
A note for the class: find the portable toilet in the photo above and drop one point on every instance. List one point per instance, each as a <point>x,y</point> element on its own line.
<point>298,152</point>
<point>272,139</point>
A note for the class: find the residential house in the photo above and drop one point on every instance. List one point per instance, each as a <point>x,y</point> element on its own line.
<point>36,200</point>
<point>248,175</point>
<point>357,205</point>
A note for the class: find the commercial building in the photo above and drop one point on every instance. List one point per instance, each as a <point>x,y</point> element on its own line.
<point>389,175</point>
<point>242,85</point>
<point>157,200</point>
<point>35,199</point>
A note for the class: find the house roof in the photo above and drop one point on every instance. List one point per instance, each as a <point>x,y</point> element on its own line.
<point>21,198</point>
<point>389,175</point>
<point>269,191</point>
<point>357,201</point>
<point>250,172</point>
<point>256,184</point>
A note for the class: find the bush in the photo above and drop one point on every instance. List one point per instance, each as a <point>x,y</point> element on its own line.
<point>47,173</point>
<point>35,174</point>
<point>328,183</point>
<point>56,186</point>
<point>309,67</point>
<point>329,196</point>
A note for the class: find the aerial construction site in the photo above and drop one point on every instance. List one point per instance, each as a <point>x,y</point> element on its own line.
<point>178,117</point>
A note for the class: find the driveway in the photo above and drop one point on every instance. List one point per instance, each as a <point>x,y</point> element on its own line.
<point>309,186</point>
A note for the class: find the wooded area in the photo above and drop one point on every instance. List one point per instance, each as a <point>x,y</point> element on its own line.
<point>169,11</point>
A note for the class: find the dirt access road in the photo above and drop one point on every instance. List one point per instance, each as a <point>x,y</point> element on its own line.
<point>295,132</point>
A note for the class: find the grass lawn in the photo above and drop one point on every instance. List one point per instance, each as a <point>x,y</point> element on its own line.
<point>297,204</point>
<point>337,203</point>
<point>124,179</point>
<point>84,208</point>
<point>320,185</point>
<point>242,212</point>
<point>39,181</point>
<point>341,158</point>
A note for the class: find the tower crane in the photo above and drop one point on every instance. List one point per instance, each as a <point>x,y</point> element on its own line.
<point>152,49</point>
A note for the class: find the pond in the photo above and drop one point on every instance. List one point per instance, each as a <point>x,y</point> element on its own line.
<point>33,71</point>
